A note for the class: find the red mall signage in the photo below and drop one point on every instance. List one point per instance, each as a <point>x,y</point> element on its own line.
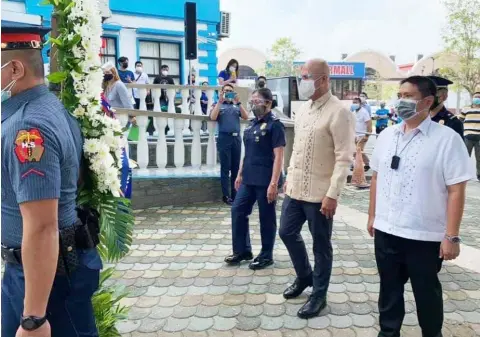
<point>342,70</point>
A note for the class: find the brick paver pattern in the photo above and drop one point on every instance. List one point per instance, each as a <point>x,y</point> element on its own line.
<point>179,285</point>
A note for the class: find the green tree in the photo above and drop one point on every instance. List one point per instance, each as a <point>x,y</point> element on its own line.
<point>462,37</point>
<point>281,57</point>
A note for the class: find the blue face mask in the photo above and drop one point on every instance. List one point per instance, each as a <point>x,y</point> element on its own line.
<point>7,91</point>
<point>355,106</point>
<point>476,101</point>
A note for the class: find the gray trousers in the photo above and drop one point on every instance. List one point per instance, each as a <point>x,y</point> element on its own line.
<point>473,142</point>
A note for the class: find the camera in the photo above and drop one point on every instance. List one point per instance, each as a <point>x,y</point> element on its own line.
<point>229,95</point>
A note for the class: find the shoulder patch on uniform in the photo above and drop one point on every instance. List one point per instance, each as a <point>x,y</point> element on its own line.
<point>441,122</point>
<point>29,146</point>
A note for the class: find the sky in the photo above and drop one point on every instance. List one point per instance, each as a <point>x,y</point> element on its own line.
<point>329,28</point>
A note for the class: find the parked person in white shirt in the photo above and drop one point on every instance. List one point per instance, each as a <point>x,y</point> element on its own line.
<point>417,198</point>
<point>140,78</point>
<point>362,128</point>
<point>322,155</point>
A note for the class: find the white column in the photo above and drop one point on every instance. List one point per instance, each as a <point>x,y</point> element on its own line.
<point>242,128</point>
<point>185,110</point>
<point>142,94</point>
<point>160,124</point>
<point>210,94</point>
<point>211,145</point>
<point>179,147</point>
<point>171,109</point>
<point>123,122</point>
<point>142,145</point>
<point>198,105</point>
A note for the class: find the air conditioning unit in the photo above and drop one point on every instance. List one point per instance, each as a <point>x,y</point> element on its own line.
<point>224,27</point>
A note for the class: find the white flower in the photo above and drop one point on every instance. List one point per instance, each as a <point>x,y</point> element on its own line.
<point>91,146</point>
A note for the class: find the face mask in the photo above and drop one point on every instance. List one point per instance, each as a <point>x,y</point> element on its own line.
<point>164,72</point>
<point>259,110</point>
<point>125,65</point>
<point>232,69</point>
<point>355,106</point>
<point>139,69</point>
<point>107,77</point>
<point>261,84</point>
<point>476,101</point>
<point>307,88</point>
<point>407,108</point>
<point>7,91</point>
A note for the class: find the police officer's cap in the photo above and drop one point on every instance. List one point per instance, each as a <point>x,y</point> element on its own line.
<point>22,36</point>
<point>440,82</point>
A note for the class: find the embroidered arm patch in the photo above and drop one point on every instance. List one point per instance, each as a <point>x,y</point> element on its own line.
<point>29,146</point>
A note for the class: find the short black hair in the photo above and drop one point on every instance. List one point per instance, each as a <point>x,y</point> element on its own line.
<point>31,59</point>
<point>476,93</point>
<point>138,62</point>
<point>357,99</point>
<point>364,93</point>
<point>122,59</point>
<point>227,85</point>
<point>425,85</point>
<point>265,93</point>
<point>164,66</point>
<point>205,82</point>
<point>261,77</point>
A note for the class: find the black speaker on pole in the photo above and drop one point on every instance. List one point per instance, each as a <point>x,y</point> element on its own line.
<point>190,30</point>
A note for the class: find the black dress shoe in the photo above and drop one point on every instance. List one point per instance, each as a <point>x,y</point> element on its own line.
<point>228,201</point>
<point>312,308</point>
<point>297,288</point>
<point>237,258</point>
<point>260,263</point>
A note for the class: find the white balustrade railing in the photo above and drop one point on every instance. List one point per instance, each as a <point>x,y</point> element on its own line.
<point>184,128</point>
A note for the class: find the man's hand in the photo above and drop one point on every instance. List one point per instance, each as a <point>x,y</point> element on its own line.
<point>370,228</point>
<point>221,98</point>
<point>236,99</point>
<point>285,186</point>
<point>133,120</point>
<point>43,331</point>
<point>129,80</point>
<point>238,182</point>
<point>329,206</point>
<point>449,250</point>
<point>272,193</point>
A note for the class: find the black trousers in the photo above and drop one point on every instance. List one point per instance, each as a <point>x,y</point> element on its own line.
<point>294,214</point>
<point>398,260</point>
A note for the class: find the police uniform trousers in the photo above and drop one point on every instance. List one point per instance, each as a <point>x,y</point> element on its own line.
<point>399,259</point>
<point>241,209</point>
<point>294,214</point>
<point>69,310</point>
<point>230,149</point>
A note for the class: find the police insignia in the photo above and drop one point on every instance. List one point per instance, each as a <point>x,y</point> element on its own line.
<point>264,125</point>
<point>29,146</point>
<point>263,133</point>
<point>441,122</point>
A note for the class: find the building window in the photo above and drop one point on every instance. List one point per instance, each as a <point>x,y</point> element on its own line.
<point>109,51</point>
<point>155,54</point>
<point>346,89</point>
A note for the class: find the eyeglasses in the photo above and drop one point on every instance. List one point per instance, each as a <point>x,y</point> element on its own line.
<point>257,102</point>
<point>311,76</point>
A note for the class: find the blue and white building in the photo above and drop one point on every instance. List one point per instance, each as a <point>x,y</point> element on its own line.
<point>151,31</point>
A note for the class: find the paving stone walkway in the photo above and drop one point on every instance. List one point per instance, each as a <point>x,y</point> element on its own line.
<point>180,287</point>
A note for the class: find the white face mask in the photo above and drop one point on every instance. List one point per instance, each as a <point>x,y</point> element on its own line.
<point>306,88</point>
<point>164,72</point>
<point>139,69</point>
<point>232,69</point>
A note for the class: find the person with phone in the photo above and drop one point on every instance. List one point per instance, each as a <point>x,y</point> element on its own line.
<point>227,113</point>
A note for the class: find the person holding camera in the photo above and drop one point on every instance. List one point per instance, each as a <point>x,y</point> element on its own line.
<point>227,113</point>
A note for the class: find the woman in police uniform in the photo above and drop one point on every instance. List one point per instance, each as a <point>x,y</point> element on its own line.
<point>257,181</point>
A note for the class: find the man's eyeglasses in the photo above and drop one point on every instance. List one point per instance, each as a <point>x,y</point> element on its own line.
<point>311,76</point>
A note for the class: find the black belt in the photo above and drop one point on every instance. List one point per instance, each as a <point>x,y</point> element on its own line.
<point>71,239</point>
<point>233,134</point>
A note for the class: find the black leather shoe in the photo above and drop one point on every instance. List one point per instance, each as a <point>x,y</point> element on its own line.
<point>237,258</point>
<point>312,308</point>
<point>297,288</point>
<point>227,200</point>
<point>260,263</point>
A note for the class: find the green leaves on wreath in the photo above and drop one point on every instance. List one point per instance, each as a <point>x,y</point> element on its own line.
<point>57,77</point>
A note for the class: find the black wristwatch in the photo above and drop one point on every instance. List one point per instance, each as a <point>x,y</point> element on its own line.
<point>31,323</point>
<point>453,239</point>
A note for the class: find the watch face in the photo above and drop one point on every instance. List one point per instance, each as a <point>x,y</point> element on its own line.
<point>29,324</point>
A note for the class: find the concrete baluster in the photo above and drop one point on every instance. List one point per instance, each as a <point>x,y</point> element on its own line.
<point>185,111</point>
<point>160,124</point>
<point>171,109</point>
<point>142,122</point>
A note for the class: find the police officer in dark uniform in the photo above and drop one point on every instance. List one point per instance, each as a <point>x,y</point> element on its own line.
<point>438,111</point>
<point>258,181</point>
<point>227,113</point>
<point>51,264</point>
